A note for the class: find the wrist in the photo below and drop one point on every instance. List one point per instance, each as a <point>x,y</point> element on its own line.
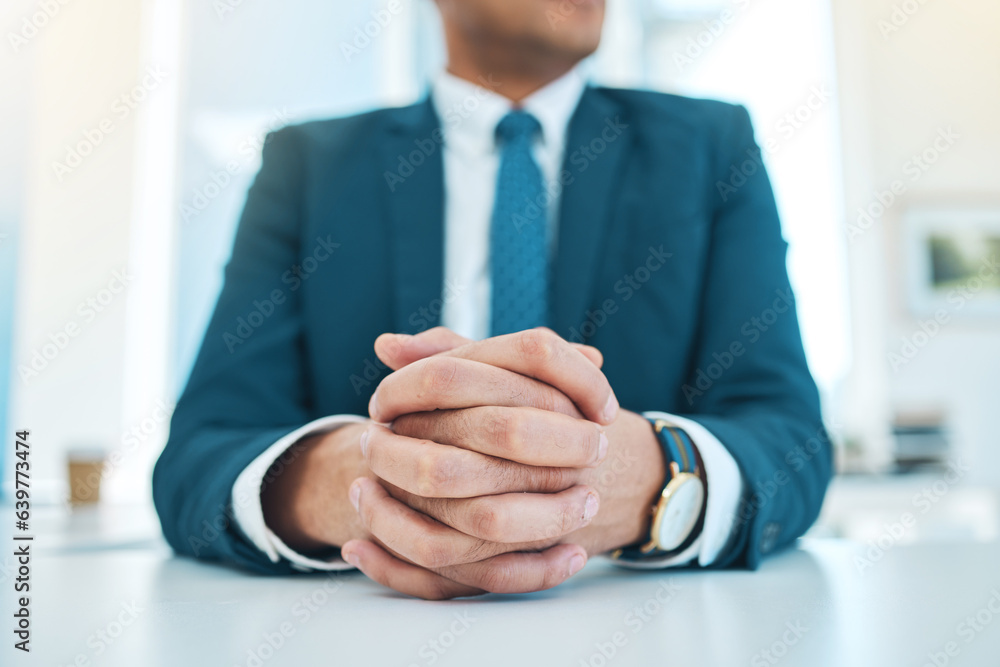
<point>679,512</point>
<point>629,482</point>
<point>304,496</point>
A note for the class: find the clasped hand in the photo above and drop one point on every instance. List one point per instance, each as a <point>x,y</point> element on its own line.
<point>496,465</point>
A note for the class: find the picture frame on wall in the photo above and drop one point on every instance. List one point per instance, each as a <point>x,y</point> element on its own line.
<point>953,261</point>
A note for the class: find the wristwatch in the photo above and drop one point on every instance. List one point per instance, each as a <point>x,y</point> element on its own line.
<point>679,512</point>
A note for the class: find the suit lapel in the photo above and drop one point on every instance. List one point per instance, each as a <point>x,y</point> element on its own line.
<point>414,172</point>
<point>597,145</point>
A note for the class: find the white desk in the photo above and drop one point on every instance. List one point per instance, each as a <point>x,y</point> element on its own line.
<point>190,614</point>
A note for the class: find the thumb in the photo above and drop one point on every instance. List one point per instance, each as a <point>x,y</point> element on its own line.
<point>399,350</point>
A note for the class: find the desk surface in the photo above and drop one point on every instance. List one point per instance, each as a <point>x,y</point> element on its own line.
<point>137,605</point>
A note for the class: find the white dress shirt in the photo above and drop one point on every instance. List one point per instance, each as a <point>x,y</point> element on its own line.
<point>469,115</point>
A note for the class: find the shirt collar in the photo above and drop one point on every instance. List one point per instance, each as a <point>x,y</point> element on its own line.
<point>469,113</point>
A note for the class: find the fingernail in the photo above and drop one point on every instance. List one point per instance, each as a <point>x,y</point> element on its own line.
<point>364,442</point>
<point>611,408</point>
<point>576,564</point>
<point>590,507</point>
<point>373,407</point>
<point>353,559</point>
<point>602,447</point>
<point>354,493</point>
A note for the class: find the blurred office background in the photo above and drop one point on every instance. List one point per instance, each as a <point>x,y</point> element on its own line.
<point>131,130</point>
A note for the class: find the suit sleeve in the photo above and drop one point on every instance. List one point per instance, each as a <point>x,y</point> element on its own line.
<point>749,383</point>
<point>248,387</point>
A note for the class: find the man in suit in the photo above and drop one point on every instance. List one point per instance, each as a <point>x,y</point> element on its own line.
<point>464,345</point>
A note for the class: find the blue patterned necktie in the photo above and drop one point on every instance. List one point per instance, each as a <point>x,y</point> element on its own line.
<point>518,233</point>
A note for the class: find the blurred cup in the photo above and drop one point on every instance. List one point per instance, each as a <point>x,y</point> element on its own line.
<point>85,466</point>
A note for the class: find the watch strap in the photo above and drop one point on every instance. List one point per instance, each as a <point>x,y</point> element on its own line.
<point>682,456</point>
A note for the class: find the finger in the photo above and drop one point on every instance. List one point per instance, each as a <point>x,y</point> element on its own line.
<point>447,383</point>
<point>543,355</point>
<point>433,470</point>
<point>526,435</point>
<point>594,355</point>
<point>416,537</point>
<point>510,518</point>
<point>376,563</point>
<point>520,572</point>
<point>399,350</point>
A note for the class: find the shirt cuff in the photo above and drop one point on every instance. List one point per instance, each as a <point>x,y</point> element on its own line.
<point>726,489</point>
<point>246,498</point>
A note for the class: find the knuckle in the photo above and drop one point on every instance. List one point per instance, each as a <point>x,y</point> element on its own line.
<point>498,578</point>
<point>566,518</point>
<point>548,400</point>
<point>433,475</point>
<point>588,437</point>
<point>539,345</point>
<point>460,426</point>
<point>550,480</point>
<point>552,576</point>
<point>434,332</point>
<point>477,551</point>
<point>439,376</point>
<point>432,554</point>
<point>486,522</point>
<point>506,431</point>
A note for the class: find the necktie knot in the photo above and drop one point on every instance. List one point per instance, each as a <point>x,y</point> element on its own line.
<point>518,125</point>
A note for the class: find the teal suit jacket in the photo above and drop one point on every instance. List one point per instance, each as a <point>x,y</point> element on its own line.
<point>669,259</point>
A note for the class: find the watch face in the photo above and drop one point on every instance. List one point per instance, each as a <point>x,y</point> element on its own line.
<point>683,498</point>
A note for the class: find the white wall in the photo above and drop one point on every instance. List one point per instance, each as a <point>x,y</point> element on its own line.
<point>74,227</point>
<point>941,68</point>
<point>226,77</point>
